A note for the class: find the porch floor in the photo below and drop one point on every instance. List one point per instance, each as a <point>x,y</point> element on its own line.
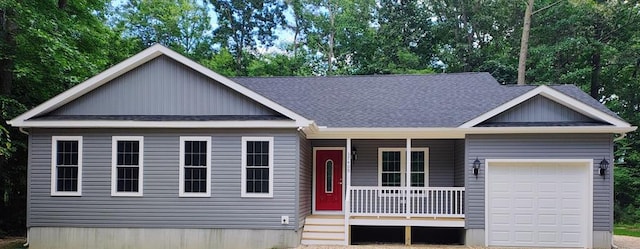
<point>406,221</point>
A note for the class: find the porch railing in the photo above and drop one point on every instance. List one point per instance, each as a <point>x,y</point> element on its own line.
<point>402,201</point>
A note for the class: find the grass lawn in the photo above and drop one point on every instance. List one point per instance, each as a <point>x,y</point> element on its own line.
<point>628,230</point>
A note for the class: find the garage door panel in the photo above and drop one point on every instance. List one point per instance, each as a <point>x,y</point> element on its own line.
<point>534,204</point>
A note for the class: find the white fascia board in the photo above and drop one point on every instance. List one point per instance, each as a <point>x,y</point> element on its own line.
<point>554,95</point>
<point>155,124</point>
<point>452,133</point>
<point>137,60</point>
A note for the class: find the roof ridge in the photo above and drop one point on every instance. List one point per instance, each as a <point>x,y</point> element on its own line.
<point>359,75</point>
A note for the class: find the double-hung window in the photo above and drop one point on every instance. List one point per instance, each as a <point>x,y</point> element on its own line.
<point>257,167</point>
<point>195,167</point>
<point>127,156</point>
<point>66,165</point>
<point>392,168</point>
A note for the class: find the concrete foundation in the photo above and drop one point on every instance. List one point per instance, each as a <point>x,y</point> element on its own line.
<point>160,238</point>
<point>602,239</point>
<point>475,237</point>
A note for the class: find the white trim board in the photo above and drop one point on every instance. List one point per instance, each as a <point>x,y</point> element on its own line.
<point>553,95</point>
<point>135,61</point>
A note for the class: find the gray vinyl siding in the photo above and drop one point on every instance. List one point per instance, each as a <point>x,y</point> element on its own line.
<point>540,146</point>
<point>458,163</point>
<point>163,86</point>
<point>539,109</point>
<point>304,179</point>
<point>364,170</point>
<point>160,207</point>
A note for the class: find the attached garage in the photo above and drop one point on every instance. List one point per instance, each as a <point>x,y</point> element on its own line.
<point>539,203</point>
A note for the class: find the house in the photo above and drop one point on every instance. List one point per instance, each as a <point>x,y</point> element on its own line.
<point>160,152</point>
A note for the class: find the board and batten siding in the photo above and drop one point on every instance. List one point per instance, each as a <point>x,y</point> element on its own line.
<point>539,109</point>
<point>540,146</point>
<point>304,179</point>
<point>163,86</point>
<point>364,170</point>
<point>160,207</point>
<point>458,163</point>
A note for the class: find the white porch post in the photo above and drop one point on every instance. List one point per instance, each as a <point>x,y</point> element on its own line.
<point>408,181</point>
<point>347,199</point>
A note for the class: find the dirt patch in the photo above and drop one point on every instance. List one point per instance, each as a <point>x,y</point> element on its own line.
<point>11,242</point>
<point>626,242</point>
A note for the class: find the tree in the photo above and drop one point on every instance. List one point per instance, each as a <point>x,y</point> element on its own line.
<point>245,24</point>
<point>182,25</point>
<point>45,48</point>
<point>524,43</point>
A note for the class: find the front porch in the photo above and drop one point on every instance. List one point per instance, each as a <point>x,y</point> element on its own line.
<point>385,182</point>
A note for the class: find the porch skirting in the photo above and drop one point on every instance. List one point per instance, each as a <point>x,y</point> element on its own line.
<point>159,238</point>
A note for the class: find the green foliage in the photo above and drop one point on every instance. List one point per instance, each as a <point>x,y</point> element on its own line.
<point>182,25</point>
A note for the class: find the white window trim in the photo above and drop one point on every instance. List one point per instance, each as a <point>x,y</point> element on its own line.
<point>403,165</point>
<point>243,174</point>
<point>181,175</point>
<point>54,159</point>
<point>114,165</point>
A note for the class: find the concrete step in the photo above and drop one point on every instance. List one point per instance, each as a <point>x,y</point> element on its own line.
<point>323,221</point>
<point>322,242</point>
<point>324,228</point>
<point>323,235</point>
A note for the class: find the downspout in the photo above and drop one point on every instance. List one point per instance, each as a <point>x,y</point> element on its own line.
<point>622,135</point>
<point>26,244</point>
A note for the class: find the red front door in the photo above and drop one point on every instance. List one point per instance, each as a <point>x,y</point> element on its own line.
<point>328,180</point>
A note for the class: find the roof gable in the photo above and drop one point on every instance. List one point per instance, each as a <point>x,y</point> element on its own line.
<point>539,109</point>
<point>559,101</point>
<point>163,86</point>
<point>132,63</point>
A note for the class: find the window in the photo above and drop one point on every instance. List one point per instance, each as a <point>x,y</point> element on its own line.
<point>328,168</point>
<point>66,165</point>
<point>392,167</point>
<point>195,166</point>
<point>127,156</point>
<point>257,167</point>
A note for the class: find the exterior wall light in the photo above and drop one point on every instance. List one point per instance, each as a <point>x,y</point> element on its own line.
<point>354,153</point>
<point>604,165</point>
<point>476,167</point>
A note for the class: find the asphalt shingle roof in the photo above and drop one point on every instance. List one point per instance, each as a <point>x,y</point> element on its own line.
<point>435,100</point>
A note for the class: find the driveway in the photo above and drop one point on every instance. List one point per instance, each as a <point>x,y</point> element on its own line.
<point>626,242</point>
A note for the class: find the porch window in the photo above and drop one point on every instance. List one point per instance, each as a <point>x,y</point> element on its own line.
<point>195,166</point>
<point>66,165</point>
<point>126,166</point>
<point>392,167</point>
<point>257,167</point>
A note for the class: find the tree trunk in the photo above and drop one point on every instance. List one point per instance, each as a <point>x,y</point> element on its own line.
<point>7,36</point>
<point>332,34</point>
<point>596,68</point>
<point>524,44</point>
<point>469,36</point>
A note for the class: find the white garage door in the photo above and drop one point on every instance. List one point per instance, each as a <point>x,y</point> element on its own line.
<point>543,204</point>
